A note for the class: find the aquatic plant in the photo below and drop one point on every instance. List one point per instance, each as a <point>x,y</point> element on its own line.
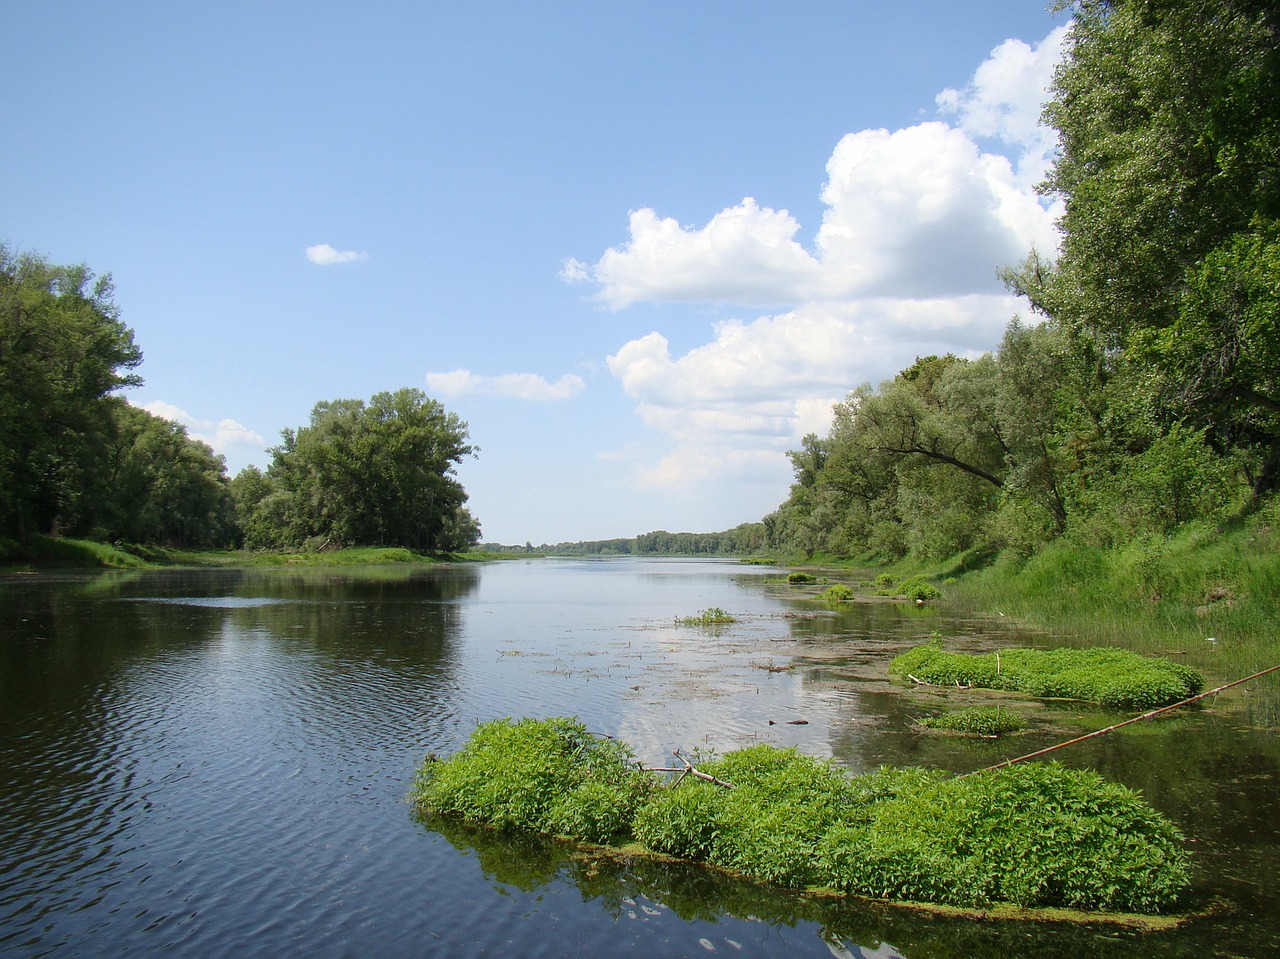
<point>1118,678</point>
<point>550,776</point>
<point>1031,835</point>
<point>801,578</point>
<point>835,594</point>
<point>988,721</point>
<point>715,616</point>
<point>918,590</point>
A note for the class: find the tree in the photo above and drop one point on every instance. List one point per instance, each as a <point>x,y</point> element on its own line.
<point>1168,113</point>
<point>63,353</point>
<point>162,487</point>
<point>379,474</point>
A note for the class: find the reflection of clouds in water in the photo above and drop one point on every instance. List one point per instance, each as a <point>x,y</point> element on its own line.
<point>718,693</point>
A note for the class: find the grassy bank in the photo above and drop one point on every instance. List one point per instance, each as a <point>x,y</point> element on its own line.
<point>47,552</point>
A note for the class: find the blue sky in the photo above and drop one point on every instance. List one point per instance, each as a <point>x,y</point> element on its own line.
<point>639,247</point>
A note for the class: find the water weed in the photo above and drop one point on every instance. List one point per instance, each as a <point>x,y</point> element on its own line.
<point>715,616</point>
<point>1117,678</point>
<point>989,721</point>
<point>1034,835</point>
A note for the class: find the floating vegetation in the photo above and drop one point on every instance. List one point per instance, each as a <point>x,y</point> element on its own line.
<point>715,616</point>
<point>835,594</point>
<point>1031,835</point>
<point>1117,678</point>
<point>801,578</point>
<point>988,721</point>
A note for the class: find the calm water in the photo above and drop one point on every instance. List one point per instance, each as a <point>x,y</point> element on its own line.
<point>215,763</point>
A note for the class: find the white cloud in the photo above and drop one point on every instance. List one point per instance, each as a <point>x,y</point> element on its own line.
<point>917,223</point>
<point>746,254</point>
<point>1004,99</point>
<point>325,255</point>
<point>223,436</point>
<point>524,386</point>
<point>575,271</point>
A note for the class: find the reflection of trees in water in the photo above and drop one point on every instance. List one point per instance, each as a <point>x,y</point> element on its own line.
<point>845,926</point>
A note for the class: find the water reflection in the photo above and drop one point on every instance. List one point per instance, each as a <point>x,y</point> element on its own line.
<point>216,762</point>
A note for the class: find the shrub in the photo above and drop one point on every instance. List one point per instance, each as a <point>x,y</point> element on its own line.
<point>1117,678</point>
<point>918,589</point>
<point>799,578</point>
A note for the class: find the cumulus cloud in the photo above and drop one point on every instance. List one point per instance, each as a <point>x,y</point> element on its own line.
<point>746,254</point>
<point>323,254</point>
<point>917,223</point>
<point>1004,98</point>
<point>523,386</point>
<point>223,436</point>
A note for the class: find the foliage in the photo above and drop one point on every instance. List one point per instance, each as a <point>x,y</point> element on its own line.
<point>1148,398</point>
<point>63,353</point>
<point>1029,835</point>
<point>715,616</point>
<point>550,776</point>
<point>372,475</point>
<point>918,590</point>
<point>801,578</point>
<point>1117,678</point>
<point>990,721</point>
<point>835,594</point>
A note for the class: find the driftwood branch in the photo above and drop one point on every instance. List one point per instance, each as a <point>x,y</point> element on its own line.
<point>687,769</point>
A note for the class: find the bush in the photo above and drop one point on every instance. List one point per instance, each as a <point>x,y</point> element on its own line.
<point>799,578</point>
<point>1117,678</point>
<point>918,589</point>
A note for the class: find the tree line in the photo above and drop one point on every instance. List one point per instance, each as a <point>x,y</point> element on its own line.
<point>1145,392</point>
<point>77,460</point>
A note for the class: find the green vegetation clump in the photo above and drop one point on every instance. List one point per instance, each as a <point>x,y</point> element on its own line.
<point>1030,835</point>
<point>800,578</point>
<point>835,594</point>
<point>990,721</point>
<point>1117,678</point>
<point>919,590</point>
<point>549,776</point>
<point>715,616</point>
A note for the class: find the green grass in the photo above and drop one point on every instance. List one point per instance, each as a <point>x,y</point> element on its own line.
<point>1116,678</point>
<point>1031,835</point>
<point>50,551</point>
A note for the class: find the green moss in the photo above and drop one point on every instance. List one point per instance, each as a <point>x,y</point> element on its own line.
<point>1117,678</point>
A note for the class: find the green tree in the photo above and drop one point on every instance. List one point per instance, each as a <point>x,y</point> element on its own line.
<point>63,352</point>
<point>379,474</point>
<point>162,487</point>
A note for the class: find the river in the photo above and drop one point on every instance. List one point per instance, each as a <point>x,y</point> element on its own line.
<point>215,763</point>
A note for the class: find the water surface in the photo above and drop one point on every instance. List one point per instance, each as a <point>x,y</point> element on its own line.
<point>208,763</point>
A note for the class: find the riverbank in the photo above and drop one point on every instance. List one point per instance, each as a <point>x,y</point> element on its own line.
<point>45,552</point>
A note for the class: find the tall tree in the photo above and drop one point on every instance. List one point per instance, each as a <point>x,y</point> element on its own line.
<point>63,352</point>
<point>376,474</point>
